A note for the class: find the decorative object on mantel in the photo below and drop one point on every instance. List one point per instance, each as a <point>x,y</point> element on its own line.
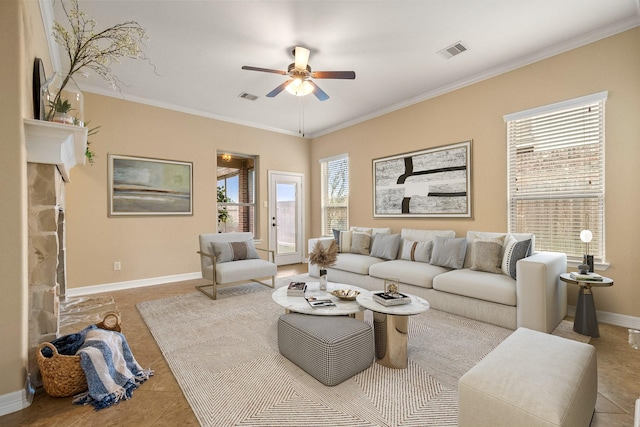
<point>323,258</point>
<point>89,48</point>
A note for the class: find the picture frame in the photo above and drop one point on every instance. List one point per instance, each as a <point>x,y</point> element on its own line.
<point>148,186</point>
<point>434,182</point>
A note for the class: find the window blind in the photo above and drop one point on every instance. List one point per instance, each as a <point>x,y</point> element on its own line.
<point>335,194</point>
<point>556,175</point>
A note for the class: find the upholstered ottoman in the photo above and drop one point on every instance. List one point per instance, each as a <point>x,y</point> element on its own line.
<point>329,348</point>
<point>530,379</point>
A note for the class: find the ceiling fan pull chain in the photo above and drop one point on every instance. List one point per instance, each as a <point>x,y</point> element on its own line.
<point>301,118</point>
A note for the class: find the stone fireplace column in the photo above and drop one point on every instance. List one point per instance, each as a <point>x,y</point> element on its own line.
<point>46,201</point>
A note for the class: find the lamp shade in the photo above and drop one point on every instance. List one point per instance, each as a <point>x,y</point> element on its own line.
<point>586,236</point>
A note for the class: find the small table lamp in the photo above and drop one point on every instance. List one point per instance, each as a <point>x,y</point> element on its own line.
<point>586,236</point>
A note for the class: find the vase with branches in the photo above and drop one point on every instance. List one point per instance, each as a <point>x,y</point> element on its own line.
<point>323,257</point>
<point>88,48</point>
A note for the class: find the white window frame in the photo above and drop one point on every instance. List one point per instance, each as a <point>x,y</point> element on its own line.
<point>325,198</point>
<point>574,155</point>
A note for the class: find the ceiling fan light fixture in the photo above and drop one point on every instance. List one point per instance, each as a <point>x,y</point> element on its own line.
<point>299,87</point>
<point>301,57</point>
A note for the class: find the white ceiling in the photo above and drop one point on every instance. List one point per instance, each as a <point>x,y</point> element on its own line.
<point>199,47</point>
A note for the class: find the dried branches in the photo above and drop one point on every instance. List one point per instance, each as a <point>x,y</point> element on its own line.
<point>324,257</point>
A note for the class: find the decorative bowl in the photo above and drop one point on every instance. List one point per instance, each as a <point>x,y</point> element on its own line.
<point>345,294</point>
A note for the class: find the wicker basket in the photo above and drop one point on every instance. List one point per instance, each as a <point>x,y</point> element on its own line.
<point>62,376</point>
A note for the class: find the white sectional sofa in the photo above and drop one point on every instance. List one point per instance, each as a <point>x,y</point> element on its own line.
<point>536,299</point>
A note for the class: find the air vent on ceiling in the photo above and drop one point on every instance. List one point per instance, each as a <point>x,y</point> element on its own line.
<point>248,96</point>
<point>453,50</point>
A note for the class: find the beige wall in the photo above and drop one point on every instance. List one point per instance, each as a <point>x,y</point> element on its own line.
<point>476,112</point>
<point>158,246</point>
<point>22,40</point>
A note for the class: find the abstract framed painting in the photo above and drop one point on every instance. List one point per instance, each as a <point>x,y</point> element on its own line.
<point>145,186</point>
<point>435,182</point>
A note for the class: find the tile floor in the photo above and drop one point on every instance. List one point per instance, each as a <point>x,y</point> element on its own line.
<point>160,402</point>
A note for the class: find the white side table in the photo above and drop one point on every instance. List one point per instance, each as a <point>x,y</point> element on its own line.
<point>391,324</point>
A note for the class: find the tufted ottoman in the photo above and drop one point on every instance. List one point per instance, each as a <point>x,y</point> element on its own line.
<point>531,379</point>
<point>329,348</point>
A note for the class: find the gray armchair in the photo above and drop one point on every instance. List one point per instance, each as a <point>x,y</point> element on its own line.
<point>229,259</point>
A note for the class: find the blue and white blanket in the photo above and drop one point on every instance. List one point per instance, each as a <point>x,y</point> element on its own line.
<point>111,370</point>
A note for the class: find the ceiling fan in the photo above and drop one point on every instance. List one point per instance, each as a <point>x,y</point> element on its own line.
<point>300,83</point>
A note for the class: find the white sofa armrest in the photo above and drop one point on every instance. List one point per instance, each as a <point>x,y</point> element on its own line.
<point>314,271</point>
<point>541,295</point>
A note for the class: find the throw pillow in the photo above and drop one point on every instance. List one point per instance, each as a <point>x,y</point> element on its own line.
<point>385,246</point>
<point>449,252</point>
<point>336,237</point>
<point>345,241</point>
<point>417,251</point>
<point>487,255</point>
<point>234,251</point>
<point>514,251</point>
<point>360,243</point>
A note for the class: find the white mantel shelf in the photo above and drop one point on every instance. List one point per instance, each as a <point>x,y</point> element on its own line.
<point>55,144</point>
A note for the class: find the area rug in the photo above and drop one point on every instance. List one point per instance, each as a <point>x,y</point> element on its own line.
<point>224,354</point>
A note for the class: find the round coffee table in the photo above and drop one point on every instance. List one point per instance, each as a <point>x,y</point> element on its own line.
<point>391,326</point>
<point>299,304</point>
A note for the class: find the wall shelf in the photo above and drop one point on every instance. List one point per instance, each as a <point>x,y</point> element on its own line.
<point>56,144</point>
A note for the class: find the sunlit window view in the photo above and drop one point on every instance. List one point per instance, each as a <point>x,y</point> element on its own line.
<point>335,194</point>
<point>236,193</point>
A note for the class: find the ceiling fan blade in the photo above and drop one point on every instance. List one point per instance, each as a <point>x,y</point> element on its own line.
<point>319,93</point>
<point>264,70</point>
<point>279,89</point>
<point>333,74</point>
<point>301,58</point>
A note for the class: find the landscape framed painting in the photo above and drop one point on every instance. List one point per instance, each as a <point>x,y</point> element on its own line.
<point>144,186</point>
<point>435,182</point>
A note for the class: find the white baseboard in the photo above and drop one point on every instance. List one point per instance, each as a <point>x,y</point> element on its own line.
<point>119,286</point>
<point>611,318</point>
<point>14,401</point>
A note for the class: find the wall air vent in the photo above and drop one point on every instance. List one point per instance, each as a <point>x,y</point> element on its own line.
<point>453,50</point>
<point>248,96</point>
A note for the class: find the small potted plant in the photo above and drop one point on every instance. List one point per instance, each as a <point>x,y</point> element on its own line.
<point>61,108</point>
<point>323,257</point>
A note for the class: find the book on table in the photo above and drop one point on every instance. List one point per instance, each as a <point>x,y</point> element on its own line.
<point>594,277</point>
<point>320,301</point>
<point>388,299</point>
<point>296,289</point>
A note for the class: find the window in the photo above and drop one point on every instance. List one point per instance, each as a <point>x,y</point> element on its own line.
<point>236,193</point>
<point>335,193</point>
<point>556,175</point>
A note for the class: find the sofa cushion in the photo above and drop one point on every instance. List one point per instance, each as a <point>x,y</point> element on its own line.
<point>385,246</point>
<point>496,288</point>
<point>410,272</point>
<point>416,251</point>
<point>514,251</point>
<point>372,230</point>
<point>487,255</point>
<point>418,235</point>
<point>345,241</point>
<point>472,235</point>
<point>449,252</point>
<point>234,251</point>
<point>355,263</point>
<point>360,243</point>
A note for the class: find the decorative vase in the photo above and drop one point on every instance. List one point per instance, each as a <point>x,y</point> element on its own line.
<point>323,279</point>
<point>63,100</point>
